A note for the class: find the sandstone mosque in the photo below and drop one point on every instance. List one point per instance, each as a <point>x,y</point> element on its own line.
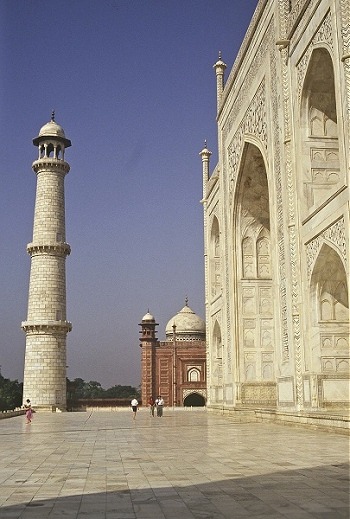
<point>174,368</point>
<point>275,343</point>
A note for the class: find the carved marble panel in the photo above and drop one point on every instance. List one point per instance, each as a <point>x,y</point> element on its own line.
<point>335,234</point>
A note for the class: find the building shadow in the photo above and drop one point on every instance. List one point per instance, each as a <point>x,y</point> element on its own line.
<point>318,492</point>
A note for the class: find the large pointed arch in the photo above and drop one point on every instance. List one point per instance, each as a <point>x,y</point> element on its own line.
<point>253,270</point>
<point>329,300</point>
<point>321,170</point>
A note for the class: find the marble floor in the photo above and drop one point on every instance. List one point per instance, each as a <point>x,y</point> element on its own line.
<point>185,465</point>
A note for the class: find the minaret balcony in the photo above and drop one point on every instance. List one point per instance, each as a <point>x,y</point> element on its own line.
<point>43,326</point>
<point>47,163</point>
<point>57,249</point>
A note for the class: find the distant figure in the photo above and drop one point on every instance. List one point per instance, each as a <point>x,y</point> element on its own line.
<point>159,405</point>
<point>151,404</point>
<point>134,405</point>
<point>29,411</point>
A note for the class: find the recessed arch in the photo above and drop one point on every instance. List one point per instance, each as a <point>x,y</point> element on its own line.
<point>329,288</point>
<point>217,341</point>
<point>329,333</point>
<point>194,400</point>
<point>215,261</point>
<point>321,169</point>
<point>193,375</point>
<point>253,268</point>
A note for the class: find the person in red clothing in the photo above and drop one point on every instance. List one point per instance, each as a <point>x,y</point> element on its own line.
<point>29,411</point>
<point>151,404</point>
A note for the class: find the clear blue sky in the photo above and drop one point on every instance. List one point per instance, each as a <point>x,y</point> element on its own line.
<point>133,85</point>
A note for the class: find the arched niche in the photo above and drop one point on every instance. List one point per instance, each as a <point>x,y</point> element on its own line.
<point>215,261</point>
<point>217,341</point>
<point>329,287</point>
<point>216,354</point>
<point>194,400</point>
<point>193,375</point>
<point>253,264</point>
<point>329,343</point>
<point>321,170</point>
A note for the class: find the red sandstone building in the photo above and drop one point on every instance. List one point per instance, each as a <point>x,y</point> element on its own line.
<point>174,368</point>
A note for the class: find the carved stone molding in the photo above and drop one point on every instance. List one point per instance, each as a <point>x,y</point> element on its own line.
<point>186,392</point>
<point>50,164</point>
<point>56,249</point>
<point>243,48</point>
<point>299,8</point>
<point>259,393</point>
<point>253,123</point>
<point>334,234</point>
<point>55,327</point>
<point>215,213</point>
<point>323,35</point>
<point>244,92</point>
<point>345,32</point>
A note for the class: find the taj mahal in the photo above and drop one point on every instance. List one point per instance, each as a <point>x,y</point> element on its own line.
<point>276,216</point>
<point>275,339</point>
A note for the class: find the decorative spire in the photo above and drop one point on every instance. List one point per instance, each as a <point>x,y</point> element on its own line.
<point>219,67</point>
<point>219,61</point>
<point>186,301</point>
<point>205,152</point>
<point>53,116</point>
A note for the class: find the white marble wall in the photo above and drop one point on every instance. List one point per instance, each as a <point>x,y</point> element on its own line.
<point>276,214</point>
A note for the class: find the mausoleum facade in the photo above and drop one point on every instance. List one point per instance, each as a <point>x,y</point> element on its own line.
<point>276,214</point>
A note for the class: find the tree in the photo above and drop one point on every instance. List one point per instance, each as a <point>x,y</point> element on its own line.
<point>121,392</point>
<point>11,394</point>
<point>78,389</point>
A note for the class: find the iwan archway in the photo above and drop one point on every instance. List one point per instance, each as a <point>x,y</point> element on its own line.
<point>255,347</point>
<point>194,400</point>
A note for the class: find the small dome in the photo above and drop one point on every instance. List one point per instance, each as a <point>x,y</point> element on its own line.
<point>148,317</point>
<point>53,130</point>
<point>189,326</point>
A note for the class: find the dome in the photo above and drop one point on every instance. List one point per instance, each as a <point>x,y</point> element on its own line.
<point>54,130</point>
<point>148,317</point>
<point>189,326</point>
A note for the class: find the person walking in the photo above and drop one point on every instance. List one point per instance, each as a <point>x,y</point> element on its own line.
<point>134,406</point>
<point>159,405</point>
<point>151,404</point>
<point>29,411</point>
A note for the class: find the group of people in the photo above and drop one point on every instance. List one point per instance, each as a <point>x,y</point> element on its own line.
<point>157,404</point>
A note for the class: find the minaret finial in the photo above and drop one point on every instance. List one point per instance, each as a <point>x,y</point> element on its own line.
<point>219,54</point>
<point>53,115</point>
<point>186,301</point>
<point>205,144</point>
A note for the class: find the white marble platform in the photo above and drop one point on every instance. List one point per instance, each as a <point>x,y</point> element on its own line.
<point>184,465</point>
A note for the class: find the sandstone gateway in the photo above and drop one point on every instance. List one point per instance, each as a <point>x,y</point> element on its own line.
<point>276,216</point>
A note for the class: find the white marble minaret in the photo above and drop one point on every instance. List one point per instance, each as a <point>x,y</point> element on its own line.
<point>46,326</point>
